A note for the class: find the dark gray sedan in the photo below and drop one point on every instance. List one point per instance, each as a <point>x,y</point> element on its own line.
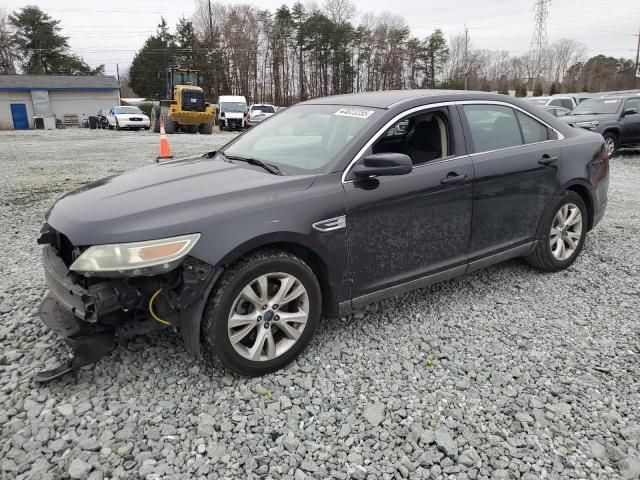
<point>318,210</point>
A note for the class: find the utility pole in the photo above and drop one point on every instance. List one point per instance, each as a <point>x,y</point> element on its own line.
<point>466,57</point>
<point>637,72</point>
<point>118,73</point>
<point>216,83</point>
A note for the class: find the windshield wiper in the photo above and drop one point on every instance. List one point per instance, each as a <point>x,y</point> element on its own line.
<point>269,167</point>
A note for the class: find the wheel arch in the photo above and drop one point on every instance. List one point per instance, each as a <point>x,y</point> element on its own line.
<point>299,246</point>
<point>582,188</point>
<point>612,129</point>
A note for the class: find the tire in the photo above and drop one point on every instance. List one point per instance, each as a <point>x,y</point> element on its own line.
<point>555,258</point>
<point>227,298</point>
<point>611,143</point>
<point>169,125</point>
<point>206,128</point>
<point>110,127</point>
<point>118,126</point>
<point>155,120</point>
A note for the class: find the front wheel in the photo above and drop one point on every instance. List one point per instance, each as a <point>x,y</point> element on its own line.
<point>118,126</point>
<point>611,143</point>
<point>561,234</point>
<point>262,314</point>
<point>206,128</point>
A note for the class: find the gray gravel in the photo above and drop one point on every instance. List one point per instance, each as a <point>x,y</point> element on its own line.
<point>507,373</point>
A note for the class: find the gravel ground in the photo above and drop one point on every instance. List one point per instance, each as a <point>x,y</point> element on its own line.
<point>506,373</point>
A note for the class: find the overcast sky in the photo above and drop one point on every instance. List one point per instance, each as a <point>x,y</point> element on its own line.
<point>111,31</point>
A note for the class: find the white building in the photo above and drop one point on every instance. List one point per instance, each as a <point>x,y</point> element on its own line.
<point>74,98</point>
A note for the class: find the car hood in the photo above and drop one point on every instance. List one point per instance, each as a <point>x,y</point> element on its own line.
<point>129,116</point>
<point>587,118</point>
<point>166,199</point>
<point>233,115</point>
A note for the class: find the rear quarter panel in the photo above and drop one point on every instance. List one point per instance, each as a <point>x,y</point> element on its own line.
<point>582,165</point>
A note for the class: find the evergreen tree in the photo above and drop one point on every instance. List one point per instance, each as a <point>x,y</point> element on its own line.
<point>436,54</point>
<point>41,48</point>
<point>537,88</point>
<point>147,75</point>
<point>521,90</point>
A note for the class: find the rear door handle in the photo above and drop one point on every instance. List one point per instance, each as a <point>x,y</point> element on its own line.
<point>454,179</point>
<point>547,160</point>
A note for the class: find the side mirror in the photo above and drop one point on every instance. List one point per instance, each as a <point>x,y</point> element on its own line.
<point>630,111</point>
<point>383,164</point>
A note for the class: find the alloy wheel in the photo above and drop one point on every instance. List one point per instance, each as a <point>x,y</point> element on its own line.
<point>566,231</point>
<point>610,143</point>
<point>268,316</point>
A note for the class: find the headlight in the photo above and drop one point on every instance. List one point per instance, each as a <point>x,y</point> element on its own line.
<point>592,124</point>
<point>138,258</point>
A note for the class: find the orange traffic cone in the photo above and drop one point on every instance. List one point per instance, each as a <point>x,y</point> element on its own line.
<point>165,149</point>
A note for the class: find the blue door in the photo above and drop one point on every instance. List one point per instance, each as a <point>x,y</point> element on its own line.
<point>20,118</point>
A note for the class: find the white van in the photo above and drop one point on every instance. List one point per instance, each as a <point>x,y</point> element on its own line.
<point>232,110</point>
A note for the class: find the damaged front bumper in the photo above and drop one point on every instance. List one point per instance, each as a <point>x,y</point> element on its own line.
<point>90,314</point>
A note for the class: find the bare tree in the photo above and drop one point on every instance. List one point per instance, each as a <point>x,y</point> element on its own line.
<point>339,11</point>
<point>7,56</point>
<point>564,53</point>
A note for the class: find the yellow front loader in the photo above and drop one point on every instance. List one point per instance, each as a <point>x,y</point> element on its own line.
<point>185,108</point>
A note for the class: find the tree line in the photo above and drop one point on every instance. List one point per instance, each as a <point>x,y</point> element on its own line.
<point>301,52</point>
<point>31,43</point>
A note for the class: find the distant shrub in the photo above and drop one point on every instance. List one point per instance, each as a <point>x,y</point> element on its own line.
<point>537,88</point>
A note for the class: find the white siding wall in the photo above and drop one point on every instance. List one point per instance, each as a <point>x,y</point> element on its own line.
<point>75,102</point>
<point>81,103</point>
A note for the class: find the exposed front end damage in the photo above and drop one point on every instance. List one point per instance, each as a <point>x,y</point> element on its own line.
<point>93,313</point>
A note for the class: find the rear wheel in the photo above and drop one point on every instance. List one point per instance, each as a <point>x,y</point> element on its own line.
<point>611,143</point>
<point>262,314</point>
<point>561,234</point>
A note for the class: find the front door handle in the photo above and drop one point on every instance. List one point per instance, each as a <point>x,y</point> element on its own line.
<point>454,179</point>
<point>547,160</point>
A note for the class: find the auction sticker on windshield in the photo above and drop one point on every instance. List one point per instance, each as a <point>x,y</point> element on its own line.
<point>354,112</point>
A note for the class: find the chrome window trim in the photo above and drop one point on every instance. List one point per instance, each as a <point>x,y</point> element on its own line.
<point>410,111</point>
<point>507,104</point>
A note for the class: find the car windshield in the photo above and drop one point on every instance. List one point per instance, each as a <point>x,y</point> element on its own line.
<point>264,108</point>
<point>303,139</point>
<point>595,106</point>
<point>233,107</point>
<point>129,110</point>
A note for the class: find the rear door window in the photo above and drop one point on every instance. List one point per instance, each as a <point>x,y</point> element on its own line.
<point>532,130</point>
<point>492,127</point>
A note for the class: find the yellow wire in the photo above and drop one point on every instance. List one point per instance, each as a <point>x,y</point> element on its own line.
<point>153,314</point>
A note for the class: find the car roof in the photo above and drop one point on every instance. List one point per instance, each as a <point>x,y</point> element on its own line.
<point>612,97</point>
<point>388,98</point>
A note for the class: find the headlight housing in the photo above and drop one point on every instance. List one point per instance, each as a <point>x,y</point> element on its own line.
<point>150,257</point>
<point>592,124</point>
